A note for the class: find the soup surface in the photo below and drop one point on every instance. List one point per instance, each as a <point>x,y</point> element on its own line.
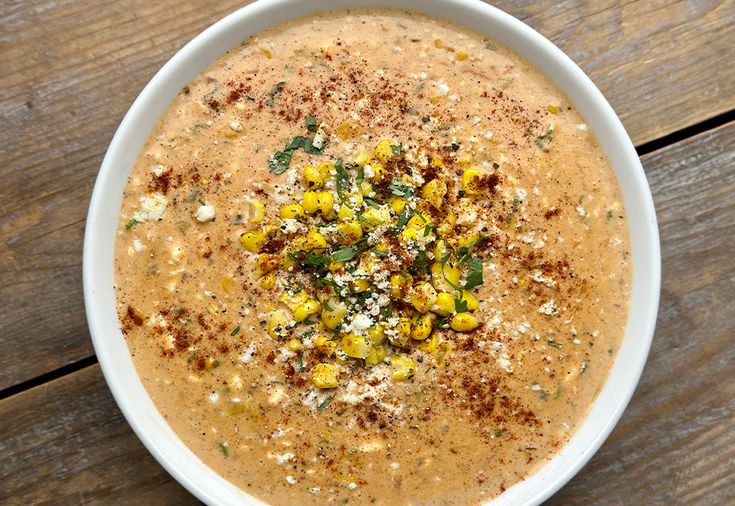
<point>372,257</point>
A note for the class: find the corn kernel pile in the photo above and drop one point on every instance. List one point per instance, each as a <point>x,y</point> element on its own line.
<point>367,265</point>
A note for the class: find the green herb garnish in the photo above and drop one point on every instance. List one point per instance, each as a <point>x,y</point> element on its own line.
<point>235,331</point>
<point>131,224</point>
<point>474,273</point>
<point>224,448</point>
<point>311,124</point>
<point>398,188</point>
<point>323,405</point>
<point>344,255</point>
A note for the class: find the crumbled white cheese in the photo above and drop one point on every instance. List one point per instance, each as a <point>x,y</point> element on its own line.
<point>320,138</point>
<point>283,458</point>
<point>549,308</point>
<point>205,213</point>
<point>247,355</point>
<point>291,480</point>
<point>138,245</point>
<point>151,207</point>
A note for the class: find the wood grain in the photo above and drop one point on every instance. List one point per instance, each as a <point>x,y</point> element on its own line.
<point>70,69</point>
<point>66,442</point>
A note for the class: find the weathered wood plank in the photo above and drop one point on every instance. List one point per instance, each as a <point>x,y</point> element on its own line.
<point>66,442</point>
<point>70,69</point>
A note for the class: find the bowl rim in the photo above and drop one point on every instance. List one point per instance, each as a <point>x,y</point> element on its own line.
<point>205,48</point>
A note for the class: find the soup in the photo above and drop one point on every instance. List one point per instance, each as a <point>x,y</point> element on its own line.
<point>372,257</point>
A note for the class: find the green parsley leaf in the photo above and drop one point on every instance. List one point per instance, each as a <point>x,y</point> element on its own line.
<point>311,124</point>
<point>398,188</point>
<point>343,180</point>
<point>225,449</point>
<point>235,331</point>
<point>396,148</point>
<point>324,404</point>
<point>344,255</point>
<point>474,273</point>
<point>131,224</point>
<point>403,218</point>
<point>460,306</point>
<point>371,203</point>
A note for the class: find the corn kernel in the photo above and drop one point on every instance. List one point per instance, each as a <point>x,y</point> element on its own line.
<point>468,241</point>
<point>462,56</point>
<point>373,217</point>
<point>377,334</point>
<point>210,363</point>
<point>293,300</point>
<point>268,281</point>
<point>356,346</point>
<point>378,171</point>
<point>399,284</point>
<point>422,326</point>
<point>345,213</point>
<point>349,232</point>
<point>313,177</point>
<point>434,191</point>
<point>325,376</point>
<point>441,250</point>
<point>335,266</point>
<point>333,312</point>
<point>430,345</point>
<point>360,285</point>
<point>256,211</point>
<point>447,224</point>
<point>294,345</point>
<point>416,229</point>
<point>377,355</point>
<point>463,322</point>
<point>278,324</point>
<point>403,367</point>
<point>354,200</point>
<point>423,296</point>
<point>253,241</point>
<point>443,351</point>
<point>402,337</point>
<point>384,151</point>
<point>553,109</point>
<point>472,181</point>
<point>397,204</point>
<point>366,188</point>
<point>326,169</point>
<point>362,158</point>
<point>267,263</point>
<point>469,299</point>
<point>228,284</point>
<point>445,276</point>
<point>315,240</point>
<point>293,211</point>
<point>444,305</point>
<point>325,200</point>
<point>310,202</point>
<point>305,310</point>
<point>325,345</point>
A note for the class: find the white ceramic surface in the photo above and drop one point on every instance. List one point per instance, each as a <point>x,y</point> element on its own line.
<point>100,234</point>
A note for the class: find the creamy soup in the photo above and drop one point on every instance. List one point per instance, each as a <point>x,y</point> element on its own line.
<point>372,257</point>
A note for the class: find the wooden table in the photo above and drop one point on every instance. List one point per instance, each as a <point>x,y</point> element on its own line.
<point>70,69</point>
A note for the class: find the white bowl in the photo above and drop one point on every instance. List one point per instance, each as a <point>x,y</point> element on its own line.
<point>109,343</point>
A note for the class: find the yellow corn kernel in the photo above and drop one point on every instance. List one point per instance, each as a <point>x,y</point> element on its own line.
<point>423,296</point>
<point>437,162</point>
<point>356,346</point>
<point>399,284</point>
<point>444,276</point>
<point>268,53</point>
<point>360,285</point>
<point>471,181</point>
<point>377,334</point>
<point>315,240</point>
<point>253,241</point>
<point>212,308</point>
<point>384,150</point>
<point>438,43</point>
<point>287,261</point>
<point>372,217</point>
<point>463,322</point>
<point>354,200</point>
<point>278,324</point>
<point>305,310</point>
<point>433,192</point>
<point>469,299</point>
<point>326,346</point>
<point>378,170</point>
<point>468,241</point>
<point>397,204</point>
<point>442,352</point>
<point>403,367</point>
<point>294,345</point>
<point>256,211</point>
<point>228,284</point>
<point>444,305</point>
<point>441,250</point>
<point>333,311</point>
<point>362,158</point>
<point>447,224</point>
<point>325,376</point>
<point>366,188</point>
<point>462,56</point>
<point>326,169</point>
<point>403,333</point>
<point>349,232</point>
<point>345,213</point>
<point>210,363</point>
<point>377,355</point>
<point>310,202</point>
<point>416,229</point>
<point>430,345</point>
<point>335,266</point>
<point>293,300</point>
<point>313,178</point>
<point>293,211</point>
<point>268,281</point>
<point>553,109</point>
<point>422,326</point>
<point>325,201</point>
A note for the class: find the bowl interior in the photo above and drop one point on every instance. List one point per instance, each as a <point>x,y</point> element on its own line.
<point>109,342</point>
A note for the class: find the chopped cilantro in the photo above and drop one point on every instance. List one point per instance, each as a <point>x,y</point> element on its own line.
<point>235,331</point>
<point>344,255</point>
<point>225,449</point>
<point>403,218</point>
<point>371,203</point>
<point>300,361</point>
<point>400,189</point>
<point>311,124</point>
<point>474,273</point>
<point>396,148</point>
<point>343,179</point>
<point>460,306</point>
<point>324,404</point>
<point>131,224</point>
<point>274,91</point>
<point>279,162</point>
